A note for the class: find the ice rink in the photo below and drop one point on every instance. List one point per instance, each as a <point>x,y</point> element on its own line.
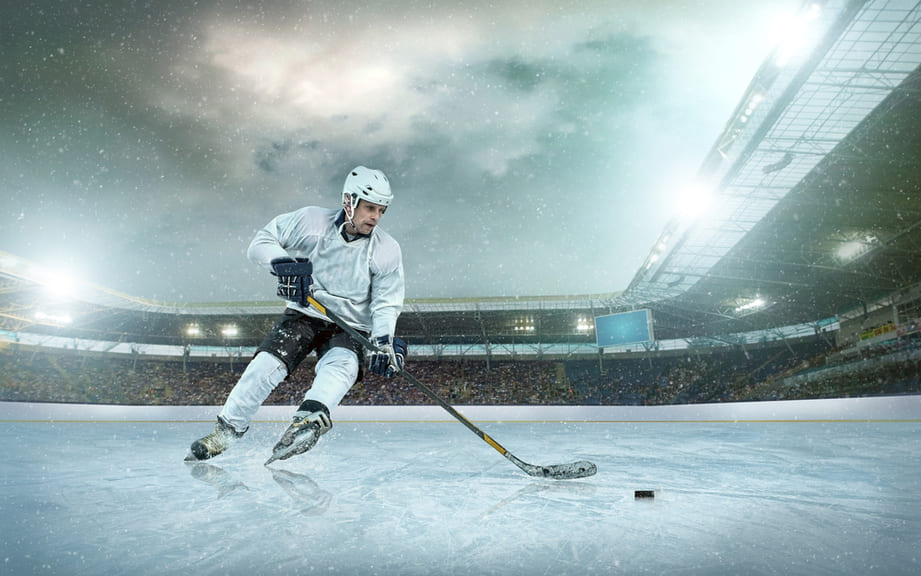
<point>827,487</point>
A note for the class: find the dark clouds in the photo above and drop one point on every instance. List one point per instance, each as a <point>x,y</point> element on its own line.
<point>534,148</point>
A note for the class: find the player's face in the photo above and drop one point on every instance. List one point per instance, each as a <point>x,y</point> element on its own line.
<point>366,216</point>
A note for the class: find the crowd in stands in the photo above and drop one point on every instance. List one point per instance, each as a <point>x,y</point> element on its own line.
<point>803,370</point>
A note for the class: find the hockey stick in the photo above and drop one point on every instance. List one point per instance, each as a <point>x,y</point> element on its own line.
<point>580,469</point>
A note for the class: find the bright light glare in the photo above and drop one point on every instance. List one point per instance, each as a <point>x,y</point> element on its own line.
<point>230,331</point>
<point>524,325</point>
<point>854,249</point>
<point>693,201</point>
<point>755,304</point>
<point>792,33</point>
<point>850,250</point>
<point>54,318</point>
<point>57,284</point>
<point>193,330</point>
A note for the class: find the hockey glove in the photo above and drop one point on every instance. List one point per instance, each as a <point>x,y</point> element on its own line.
<point>294,278</point>
<point>387,360</point>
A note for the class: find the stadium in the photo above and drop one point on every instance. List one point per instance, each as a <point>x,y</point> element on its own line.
<point>812,235</point>
<point>795,297</point>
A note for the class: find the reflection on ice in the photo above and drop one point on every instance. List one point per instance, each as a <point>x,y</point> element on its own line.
<point>215,476</point>
<point>304,492</point>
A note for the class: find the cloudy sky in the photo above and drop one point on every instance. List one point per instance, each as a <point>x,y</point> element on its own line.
<point>534,147</point>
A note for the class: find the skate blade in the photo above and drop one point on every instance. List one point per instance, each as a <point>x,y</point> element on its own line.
<point>300,445</point>
<point>281,454</point>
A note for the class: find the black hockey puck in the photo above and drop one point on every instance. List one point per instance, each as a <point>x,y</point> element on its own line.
<point>644,494</point>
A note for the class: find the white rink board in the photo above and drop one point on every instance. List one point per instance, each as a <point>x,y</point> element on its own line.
<point>841,409</point>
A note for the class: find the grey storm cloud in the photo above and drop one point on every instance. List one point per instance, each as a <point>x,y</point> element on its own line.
<point>535,148</point>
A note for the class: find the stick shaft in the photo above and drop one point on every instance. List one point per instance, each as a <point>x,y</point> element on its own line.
<point>579,469</point>
<point>359,337</point>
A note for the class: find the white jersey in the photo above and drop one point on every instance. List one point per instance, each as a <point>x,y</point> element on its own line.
<point>360,280</point>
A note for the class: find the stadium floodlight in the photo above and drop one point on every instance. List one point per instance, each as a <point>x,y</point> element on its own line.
<point>751,306</point>
<point>854,249</point>
<point>58,285</point>
<point>584,324</point>
<point>793,38</point>
<point>750,106</point>
<point>756,304</point>
<point>525,325</point>
<point>693,201</point>
<point>193,330</point>
<point>230,331</point>
<point>657,251</point>
<point>53,318</point>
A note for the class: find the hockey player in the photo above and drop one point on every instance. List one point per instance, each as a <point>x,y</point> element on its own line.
<point>354,269</point>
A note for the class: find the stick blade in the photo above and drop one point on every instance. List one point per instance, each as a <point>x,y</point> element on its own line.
<point>580,469</point>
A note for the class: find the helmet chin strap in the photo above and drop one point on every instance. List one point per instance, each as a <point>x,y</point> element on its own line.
<point>348,226</point>
<point>349,211</point>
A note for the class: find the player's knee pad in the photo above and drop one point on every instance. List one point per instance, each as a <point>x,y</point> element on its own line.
<point>290,340</point>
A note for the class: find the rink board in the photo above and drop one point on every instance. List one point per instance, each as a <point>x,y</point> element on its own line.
<point>885,408</point>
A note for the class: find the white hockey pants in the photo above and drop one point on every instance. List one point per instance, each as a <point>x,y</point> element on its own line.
<point>336,371</point>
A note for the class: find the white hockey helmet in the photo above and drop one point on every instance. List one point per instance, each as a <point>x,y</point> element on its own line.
<point>365,184</point>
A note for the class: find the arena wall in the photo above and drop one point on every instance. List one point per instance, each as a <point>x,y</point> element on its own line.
<point>880,408</point>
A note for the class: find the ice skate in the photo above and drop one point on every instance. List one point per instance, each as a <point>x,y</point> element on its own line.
<point>215,443</point>
<point>309,423</point>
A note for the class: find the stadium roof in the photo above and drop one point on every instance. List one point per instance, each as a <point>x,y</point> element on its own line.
<point>816,203</point>
<point>814,212</point>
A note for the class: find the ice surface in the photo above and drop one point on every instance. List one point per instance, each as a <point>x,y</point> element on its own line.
<point>431,498</point>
